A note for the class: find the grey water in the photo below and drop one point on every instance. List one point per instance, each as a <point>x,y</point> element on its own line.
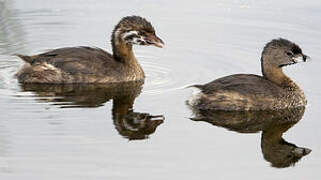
<point>145,131</point>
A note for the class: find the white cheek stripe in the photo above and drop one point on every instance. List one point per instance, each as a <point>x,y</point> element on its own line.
<point>138,40</point>
<point>126,34</point>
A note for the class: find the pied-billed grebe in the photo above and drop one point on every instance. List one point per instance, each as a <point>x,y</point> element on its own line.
<point>93,65</point>
<point>272,91</point>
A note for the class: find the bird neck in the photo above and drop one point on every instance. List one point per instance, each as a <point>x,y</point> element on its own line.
<point>122,105</point>
<point>273,134</point>
<point>277,76</point>
<point>122,52</point>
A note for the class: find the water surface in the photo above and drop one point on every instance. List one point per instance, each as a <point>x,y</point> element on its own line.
<point>62,133</point>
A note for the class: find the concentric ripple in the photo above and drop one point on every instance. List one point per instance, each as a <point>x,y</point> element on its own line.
<point>163,78</point>
<point>159,78</point>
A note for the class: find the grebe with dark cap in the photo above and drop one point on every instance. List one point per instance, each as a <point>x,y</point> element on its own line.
<point>272,91</point>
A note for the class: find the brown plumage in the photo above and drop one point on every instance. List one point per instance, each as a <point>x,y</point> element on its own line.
<point>272,91</point>
<point>93,65</point>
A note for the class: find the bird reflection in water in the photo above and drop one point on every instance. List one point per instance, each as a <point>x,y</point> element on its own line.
<point>273,124</point>
<point>129,124</point>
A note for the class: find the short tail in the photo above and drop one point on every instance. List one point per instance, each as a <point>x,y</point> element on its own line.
<point>27,59</point>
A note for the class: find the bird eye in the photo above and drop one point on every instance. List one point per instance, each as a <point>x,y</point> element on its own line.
<point>142,33</point>
<point>289,53</point>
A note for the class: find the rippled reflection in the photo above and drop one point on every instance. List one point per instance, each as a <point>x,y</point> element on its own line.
<point>11,33</point>
<point>12,40</point>
<point>129,124</point>
<point>273,124</point>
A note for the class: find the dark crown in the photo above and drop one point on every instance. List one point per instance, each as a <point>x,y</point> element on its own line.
<point>283,43</point>
<point>136,23</point>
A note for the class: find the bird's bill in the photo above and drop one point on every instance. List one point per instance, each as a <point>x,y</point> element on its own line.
<point>153,40</point>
